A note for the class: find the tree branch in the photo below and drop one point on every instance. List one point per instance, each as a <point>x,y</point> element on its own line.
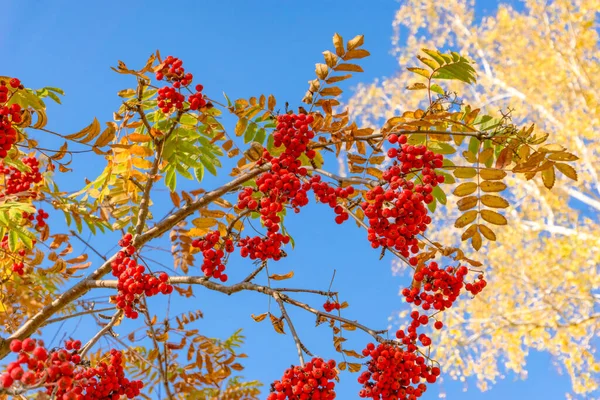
<point>81,287</point>
<point>113,321</point>
<point>299,344</point>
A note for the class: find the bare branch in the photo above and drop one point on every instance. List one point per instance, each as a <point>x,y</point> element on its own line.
<point>113,321</point>
<point>299,344</point>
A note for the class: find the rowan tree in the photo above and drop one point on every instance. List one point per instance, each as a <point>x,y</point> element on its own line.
<point>168,128</point>
<point>537,63</point>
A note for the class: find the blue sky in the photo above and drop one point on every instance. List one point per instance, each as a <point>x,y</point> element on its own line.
<point>244,49</point>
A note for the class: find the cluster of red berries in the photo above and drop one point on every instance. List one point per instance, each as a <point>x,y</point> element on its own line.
<point>170,97</point>
<point>40,218</point>
<point>293,132</point>
<point>213,251</point>
<point>395,374</point>
<point>328,194</point>
<point>329,306</point>
<point>133,279</point>
<point>61,373</point>
<point>16,181</point>
<point>398,213</point>
<point>314,381</point>
<point>8,115</point>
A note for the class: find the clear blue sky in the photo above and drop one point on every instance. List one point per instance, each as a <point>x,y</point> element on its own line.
<point>244,48</point>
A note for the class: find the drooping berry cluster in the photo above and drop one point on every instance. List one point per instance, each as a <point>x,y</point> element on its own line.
<point>170,97</point>
<point>401,373</point>
<point>133,279</point>
<point>313,381</point>
<point>61,373</point>
<point>282,185</point>
<point>398,213</point>
<point>329,306</point>
<point>9,115</point>
<point>213,250</point>
<point>394,373</point>
<point>16,181</point>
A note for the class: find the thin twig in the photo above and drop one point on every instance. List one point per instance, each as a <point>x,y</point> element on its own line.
<point>79,314</point>
<point>116,318</point>
<point>299,344</point>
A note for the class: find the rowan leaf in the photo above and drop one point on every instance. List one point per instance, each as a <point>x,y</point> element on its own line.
<point>107,135</point>
<point>277,324</point>
<point>476,241</point>
<point>355,42</point>
<point>466,218</point>
<point>348,67</point>
<point>465,189</point>
<point>493,201</point>
<point>491,174</point>
<point>493,217</point>
<point>465,173</point>
<point>260,317</point>
<point>487,232</point>
<point>277,277</point>
<point>566,170</point>
<point>492,186</point>
<point>548,177</point>
<point>338,43</point>
<point>467,202</point>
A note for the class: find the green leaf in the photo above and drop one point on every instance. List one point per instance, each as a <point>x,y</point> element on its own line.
<point>208,164</point>
<point>187,119</point>
<point>54,97</point>
<point>199,172</point>
<point>250,132</point>
<point>432,206</point>
<point>441,148</point>
<point>437,89</point>
<point>420,71</point>
<point>12,239</point>
<point>260,136</point>
<point>474,145</point>
<point>171,179</point>
<point>439,194</point>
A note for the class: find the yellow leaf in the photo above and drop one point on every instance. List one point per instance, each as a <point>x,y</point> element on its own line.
<point>377,173</point>
<point>321,70</point>
<point>348,67</point>
<point>465,189</point>
<point>240,127</point>
<point>89,132</point>
<point>138,138</point>
<point>42,119</point>
<point>563,156</point>
<point>465,172</point>
<point>259,318</point>
<point>140,151</point>
<point>376,160</point>
<point>567,170</point>
<point>476,241</point>
<point>354,367</point>
<point>330,58</point>
<point>491,174</point>
<point>355,54</point>
<point>551,148</point>
<point>492,186</point>
<point>467,202</point>
<point>355,169</point>
<point>331,91</point>
<point>338,43</point>
<point>141,163</point>
<point>417,86</point>
<point>490,200</point>
<point>204,222</point>
<point>342,366</point>
<point>355,42</point>
<point>212,213</point>
<point>61,152</point>
<point>277,324</point>
<point>548,177</point>
<point>487,232</point>
<point>469,232</point>
<point>493,217</point>
<point>198,231</point>
<point>277,277</point>
<point>106,136</point>
<point>466,219</point>
<point>271,102</point>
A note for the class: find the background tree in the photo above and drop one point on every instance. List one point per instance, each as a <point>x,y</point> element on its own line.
<point>167,129</point>
<point>538,62</point>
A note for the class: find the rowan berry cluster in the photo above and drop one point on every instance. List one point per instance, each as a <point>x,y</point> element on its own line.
<point>331,305</point>
<point>398,213</point>
<point>314,381</point>
<point>394,373</point>
<point>213,250</point>
<point>133,281</point>
<point>282,185</point>
<point>16,181</point>
<point>9,115</point>
<point>170,97</point>
<point>61,373</point>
